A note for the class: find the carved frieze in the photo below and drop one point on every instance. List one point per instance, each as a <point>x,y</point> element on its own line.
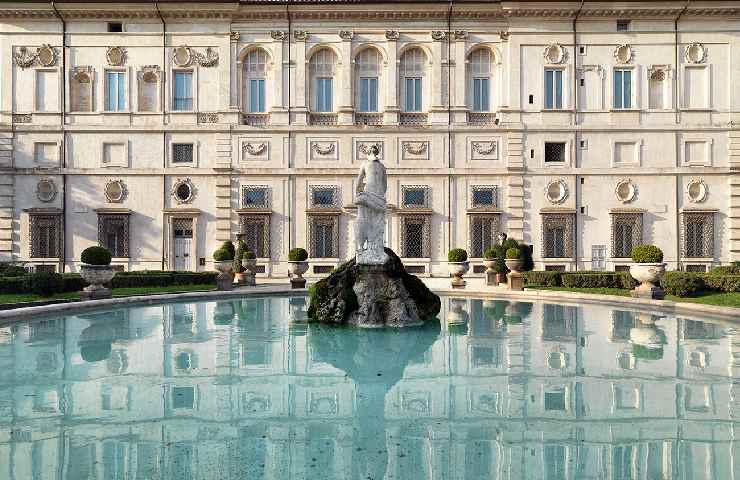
<point>392,35</point>
<point>184,56</point>
<point>45,56</point>
<point>278,35</point>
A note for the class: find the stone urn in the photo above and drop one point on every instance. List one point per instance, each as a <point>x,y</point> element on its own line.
<point>648,274</point>
<point>515,280</point>
<point>514,264</point>
<point>296,269</point>
<point>457,270</point>
<point>491,275</point>
<point>250,264</point>
<point>97,276</point>
<point>225,278</point>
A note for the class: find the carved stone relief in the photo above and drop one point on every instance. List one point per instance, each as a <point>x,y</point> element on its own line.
<point>184,56</point>
<point>115,191</point>
<point>116,56</point>
<point>45,55</point>
<point>625,190</point>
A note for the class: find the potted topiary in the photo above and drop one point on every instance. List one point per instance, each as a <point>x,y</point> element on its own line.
<point>458,265</point>
<point>500,266</point>
<point>238,266</point>
<point>648,268</point>
<point>513,259</point>
<point>249,260</point>
<point>224,264</point>
<point>297,266</point>
<point>97,271</point>
<point>489,261</point>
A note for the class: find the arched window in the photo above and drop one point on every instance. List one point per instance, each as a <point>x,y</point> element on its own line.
<point>322,69</point>
<point>367,75</point>
<point>413,69</point>
<point>479,79</point>
<point>255,74</point>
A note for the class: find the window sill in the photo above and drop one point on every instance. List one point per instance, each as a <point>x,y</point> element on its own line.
<point>555,164</point>
<point>556,110</point>
<point>624,110</point>
<point>700,109</point>
<point>115,112</point>
<point>694,260</point>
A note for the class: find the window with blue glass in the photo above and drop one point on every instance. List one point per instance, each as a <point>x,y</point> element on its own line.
<point>553,89</point>
<point>413,95</point>
<point>115,95</point>
<point>480,95</point>
<point>257,95</point>
<point>183,97</point>
<point>368,94</point>
<point>323,94</point>
<point>255,71</point>
<point>622,88</point>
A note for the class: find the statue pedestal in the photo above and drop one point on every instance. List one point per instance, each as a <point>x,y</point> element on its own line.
<point>491,278</point>
<point>382,299</point>
<point>297,282</point>
<point>515,281</point>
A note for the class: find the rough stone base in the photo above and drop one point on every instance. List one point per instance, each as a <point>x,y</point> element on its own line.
<point>653,292</point>
<point>96,294</point>
<point>224,282</point>
<point>383,301</point>
<point>296,283</point>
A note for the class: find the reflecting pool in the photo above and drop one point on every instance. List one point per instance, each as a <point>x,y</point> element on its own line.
<point>245,389</point>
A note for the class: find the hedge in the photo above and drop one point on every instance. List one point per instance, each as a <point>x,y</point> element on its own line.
<point>722,283</point>
<point>597,280</point>
<point>543,278</point>
<point>682,284</point>
<point>73,282</point>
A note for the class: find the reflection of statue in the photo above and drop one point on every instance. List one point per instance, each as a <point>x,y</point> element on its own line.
<point>370,224</point>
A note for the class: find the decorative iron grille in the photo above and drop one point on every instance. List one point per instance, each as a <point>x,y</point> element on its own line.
<point>482,196</point>
<point>324,196</point>
<point>415,196</point>
<point>255,232</point>
<point>182,153</point>
<point>113,234</point>
<point>476,118</point>
<point>626,233</point>
<point>323,234</point>
<point>368,118</point>
<point>416,235</point>
<point>413,119</point>
<point>323,119</point>
<point>554,152</point>
<point>256,119</point>
<point>698,234</point>
<point>182,227</point>
<point>557,235</point>
<point>45,236</point>
<point>255,196</point>
<point>484,231</point>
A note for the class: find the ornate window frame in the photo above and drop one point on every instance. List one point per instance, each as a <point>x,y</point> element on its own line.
<point>52,219</point>
<point>565,220</point>
<point>633,218</point>
<point>263,219</point>
<point>707,217</point>
<point>105,218</point>
<point>426,221</point>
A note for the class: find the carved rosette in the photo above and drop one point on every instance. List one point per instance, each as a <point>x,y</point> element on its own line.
<point>623,54</point>
<point>346,35</point>
<point>116,56</point>
<point>392,35</point>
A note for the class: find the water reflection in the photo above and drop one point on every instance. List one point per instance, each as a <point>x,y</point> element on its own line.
<point>247,389</point>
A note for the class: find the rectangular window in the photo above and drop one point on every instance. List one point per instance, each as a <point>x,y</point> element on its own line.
<point>47,91</point>
<point>254,197</point>
<point>555,242</point>
<point>598,257</point>
<point>413,95</point>
<point>553,89</point>
<point>480,95</point>
<point>622,89</point>
<point>255,231</point>
<point>257,96</point>
<point>45,153</point>
<point>183,397</point>
<point>484,197</point>
<point>45,234</point>
<point>554,152</point>
<point>623,25</point>
<point>626,233</point>
<point>622,240</point>
<point>368,94</point>
<point>183,98</point>
<point>113,234</point>
<point>323,197</point>
<point>415,233</point>
<point>114,154</point>
<point>115,94</point>
<point>182,153</point>
<point>324,95</point>
<point>323,236</point>
<point>698,235</point>
<point>484,230</point>
<point>414,197</point>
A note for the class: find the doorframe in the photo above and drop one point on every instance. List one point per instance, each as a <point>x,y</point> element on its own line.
<point>170,216</point>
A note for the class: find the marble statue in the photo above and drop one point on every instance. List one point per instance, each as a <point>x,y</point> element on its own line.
<point>370,224</point>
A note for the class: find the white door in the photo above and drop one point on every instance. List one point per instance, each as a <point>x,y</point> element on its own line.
<point>182,240</point>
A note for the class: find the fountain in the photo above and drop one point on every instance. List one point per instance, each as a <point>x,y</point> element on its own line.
<point>373,289</point>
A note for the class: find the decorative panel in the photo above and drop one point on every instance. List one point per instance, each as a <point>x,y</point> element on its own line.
<point>414,150</point>
<point>322,150</point>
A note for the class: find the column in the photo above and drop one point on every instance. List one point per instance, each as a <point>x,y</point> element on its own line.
<point>278,109</point>
<point>390,117</point>
<point>235,68</point>
<point>346,110</point>
<point>299,90</point>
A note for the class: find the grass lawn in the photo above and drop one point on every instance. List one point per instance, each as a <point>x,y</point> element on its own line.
<point>721,299</point>
<point>117,292</point>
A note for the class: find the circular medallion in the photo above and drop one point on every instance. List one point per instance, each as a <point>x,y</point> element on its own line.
<point>554,53</point>
<point>625,191</point>
<point>115,191</point>
<point>47,55</point>
<point>696,190</point>
<point>116,56</point>
<point>46,190</point>
<point>623,54</point>
<point>182,56</point>
<point>556,191</point>
<point>695,53</point>
<point>183,191</point>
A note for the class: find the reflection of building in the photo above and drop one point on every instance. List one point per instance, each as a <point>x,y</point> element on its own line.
<point>231,390</point>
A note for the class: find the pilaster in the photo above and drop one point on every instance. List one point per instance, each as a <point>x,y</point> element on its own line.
<point>515,207</point>
<point>300,113</point>
<point>734,214</point>
<point>438,80</point>
<point>279,109</point>
<point>235,69</point>
<point>390,116</point>
<point>346,110</point>
<point>223,187</point>
<point>459,78</point>
<point>7,196</point>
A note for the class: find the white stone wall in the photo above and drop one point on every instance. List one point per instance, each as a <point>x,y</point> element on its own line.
<point>598,138</point>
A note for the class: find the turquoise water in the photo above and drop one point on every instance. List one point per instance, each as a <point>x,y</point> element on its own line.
<point>245,389</point>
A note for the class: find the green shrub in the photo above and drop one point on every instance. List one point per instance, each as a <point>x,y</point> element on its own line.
<point>647,254</point>
<point>592,280</point>
<point>96,256</point>
<point>241,247</point>
<point>682,284</point>
<point>490,253</point>
<point>500,266</point>
<point>513,253</point>
<point>527,262</point>
<point>732,269</point>
<point>543,278</point>
<point>228,245</point>
<point>47,284</point>
<point>457,255</point>
<point>142,279</point>
<point>249,255</point>
<point>9,270</point>
<point>645,353</point>
<point>298,255</point>
<point>627,281</point>
<point>222,255</point>
<point>509,243</point>
<point>722,283</point>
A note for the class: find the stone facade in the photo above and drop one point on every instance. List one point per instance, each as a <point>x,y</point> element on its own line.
<point>127,122</point>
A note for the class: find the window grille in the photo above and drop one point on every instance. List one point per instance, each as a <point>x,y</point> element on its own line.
<point>113,234</point>
<point>415,196</point>
<point>254,197</point>
<point>698,235</point>
<point>484,231</point>
<point>626,233</point>
<point>696,268</point>
<point>182,153</point>
<point>324,197</point>
<point>415,236</point>
<point>182,227</point>
<point>483,196</point>
<point>557,235</point>
<point>45,236</point>
<point>554,152</point>
<point>323,234</point>
<point>255,232</point>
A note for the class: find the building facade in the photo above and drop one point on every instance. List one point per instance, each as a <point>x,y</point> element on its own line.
<point>161,129</point>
